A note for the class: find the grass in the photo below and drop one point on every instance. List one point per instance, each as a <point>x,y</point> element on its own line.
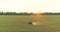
<point>50,23</point>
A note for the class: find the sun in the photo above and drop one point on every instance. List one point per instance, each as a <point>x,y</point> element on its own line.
<point>37,14</point>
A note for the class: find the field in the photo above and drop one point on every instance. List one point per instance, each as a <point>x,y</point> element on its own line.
<point>49,23</point>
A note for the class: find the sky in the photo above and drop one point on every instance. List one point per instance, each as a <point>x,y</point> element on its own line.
<point>30,6</point>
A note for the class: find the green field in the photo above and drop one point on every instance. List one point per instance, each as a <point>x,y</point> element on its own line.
<point>50,23</point>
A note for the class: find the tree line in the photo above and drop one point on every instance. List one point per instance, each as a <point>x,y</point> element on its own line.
<point>46,13</point>
<point>14,13</point>
<point>25,13</point>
